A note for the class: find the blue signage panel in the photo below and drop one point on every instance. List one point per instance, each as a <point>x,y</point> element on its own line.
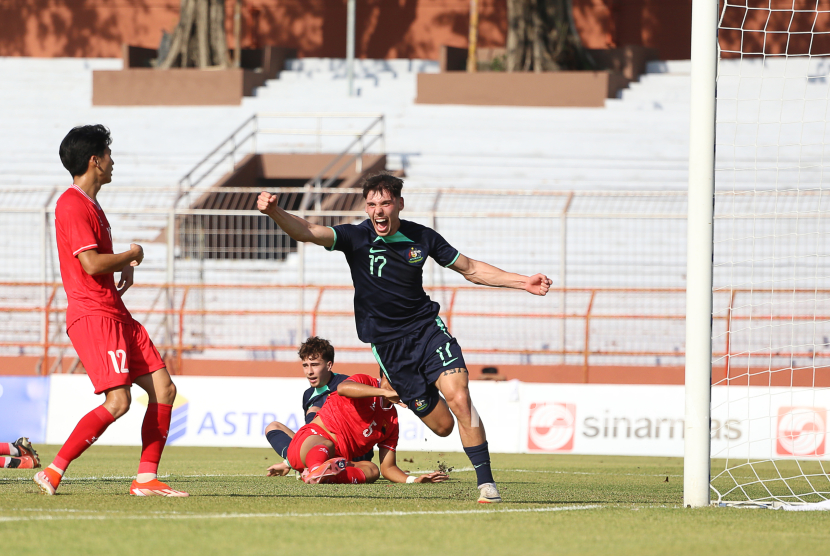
<point>23,406</point>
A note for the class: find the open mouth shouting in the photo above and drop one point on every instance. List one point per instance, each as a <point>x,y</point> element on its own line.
<point>383,210</point>
<point>381,225</point>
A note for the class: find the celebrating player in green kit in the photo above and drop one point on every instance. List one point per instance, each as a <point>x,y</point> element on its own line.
<point>394,314</point>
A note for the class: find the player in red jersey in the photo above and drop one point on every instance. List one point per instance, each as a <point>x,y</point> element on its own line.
<point>114,348</point>
<point>360,415</point>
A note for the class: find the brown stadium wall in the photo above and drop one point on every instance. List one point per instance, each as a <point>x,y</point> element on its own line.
<point>316,28</point>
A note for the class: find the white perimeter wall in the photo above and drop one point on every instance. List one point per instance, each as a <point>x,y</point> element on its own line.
<point>520,417</point>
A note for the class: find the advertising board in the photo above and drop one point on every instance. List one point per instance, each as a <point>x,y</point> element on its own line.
<point>628,420</point>
<point>23,403</point>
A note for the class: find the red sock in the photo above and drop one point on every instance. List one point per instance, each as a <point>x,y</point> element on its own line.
<point>54,476</point>
<point>86,432</point>
<point>316,456</point>
<point>5,449</point>
<point>154,431</point>
<point>350,475</point>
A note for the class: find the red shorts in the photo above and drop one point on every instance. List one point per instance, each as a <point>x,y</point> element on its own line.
<point>112,352</point>
<point>293,454</point>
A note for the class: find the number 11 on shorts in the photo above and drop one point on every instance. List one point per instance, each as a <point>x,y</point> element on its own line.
<point>445,360</point>
<point>114,355</point>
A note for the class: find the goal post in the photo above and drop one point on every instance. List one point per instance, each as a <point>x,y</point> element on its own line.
<point>758,260</point>
<point>699,253</point>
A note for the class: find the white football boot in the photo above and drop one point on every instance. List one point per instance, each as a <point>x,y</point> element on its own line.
<point>489,494</point>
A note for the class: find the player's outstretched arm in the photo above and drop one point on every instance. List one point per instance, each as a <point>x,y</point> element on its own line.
<point>352,389</point>
<point>391,472</point>
<point>296,227</point>
<point>485,274</point>
<point>95,263</point>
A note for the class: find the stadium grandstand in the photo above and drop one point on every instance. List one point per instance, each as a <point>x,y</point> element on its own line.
<point>627,169</point>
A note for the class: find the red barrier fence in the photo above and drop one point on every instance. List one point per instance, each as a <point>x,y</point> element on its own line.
<point>171,308</point>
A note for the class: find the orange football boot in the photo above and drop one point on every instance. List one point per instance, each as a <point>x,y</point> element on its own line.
<point>48,481</point>
<point>155,488</point>
<point>324,472</point>
<point>23,462</point>
<point>25,448</point>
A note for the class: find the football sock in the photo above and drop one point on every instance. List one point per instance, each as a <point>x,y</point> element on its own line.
<point>279,441</point>
<point>317,455</point>
<point>350,476</point>
<point>480,458</point>
<point>6,462</point>
<point>154,431</point>
<point>54,475</point>
<point>87,431</point>
<point>8,449</point>
<point>57,470</point>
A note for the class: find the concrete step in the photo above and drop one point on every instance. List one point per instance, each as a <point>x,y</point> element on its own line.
<point>676,109</point>
<point>323,77</point>
<point>669,66</point>
<point>549,183</point>
<point>361,66</point>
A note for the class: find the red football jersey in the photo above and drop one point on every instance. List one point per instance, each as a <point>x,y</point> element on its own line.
<point>81,225</point>
<point>360,423</point>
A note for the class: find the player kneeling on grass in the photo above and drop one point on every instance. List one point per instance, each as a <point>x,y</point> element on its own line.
<point>115,349</point>
<point>360,415</point>
<point>317,356</point>
<point>18,455</point>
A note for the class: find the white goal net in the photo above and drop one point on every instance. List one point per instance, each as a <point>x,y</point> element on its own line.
<point>771,263</point>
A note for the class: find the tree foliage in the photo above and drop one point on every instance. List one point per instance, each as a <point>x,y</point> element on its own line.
<point>541,37</point>
<point>199,39</point>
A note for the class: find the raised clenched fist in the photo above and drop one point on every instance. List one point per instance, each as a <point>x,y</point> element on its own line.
<point>266,202</point>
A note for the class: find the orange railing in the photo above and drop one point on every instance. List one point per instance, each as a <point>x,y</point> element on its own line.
<point>178,347</point>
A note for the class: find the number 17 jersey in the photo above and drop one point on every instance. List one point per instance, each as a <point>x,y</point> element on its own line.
<point>387,272</point>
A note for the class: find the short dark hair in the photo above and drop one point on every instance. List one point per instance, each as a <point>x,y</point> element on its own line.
<point>383,182</point>
<point>317,347</point>
<point>82,143</point>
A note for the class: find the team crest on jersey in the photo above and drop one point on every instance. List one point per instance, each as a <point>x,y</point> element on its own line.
<point>414,255</point>
<point>421,404</point>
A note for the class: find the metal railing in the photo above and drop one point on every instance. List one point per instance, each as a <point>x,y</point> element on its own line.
<point>630,243</point>
<point>243,142</point>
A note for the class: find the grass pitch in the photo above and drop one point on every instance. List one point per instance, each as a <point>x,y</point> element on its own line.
<point>554,504</point>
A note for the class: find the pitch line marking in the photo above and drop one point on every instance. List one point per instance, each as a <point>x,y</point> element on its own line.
<point>176,515</point>
<point>69,479</point>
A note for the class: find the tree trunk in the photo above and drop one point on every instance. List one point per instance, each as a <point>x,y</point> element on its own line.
<point>541,37</point>
<point>217,34</point>
<point>472,48</point>
<point>199,38</point>
<point>202,30</point>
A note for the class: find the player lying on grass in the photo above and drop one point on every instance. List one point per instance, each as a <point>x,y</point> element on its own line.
<point>317,356</point>
<point>18,455</point>
<point>115,349</point>
<point>360,415</point>
<point>393,313</point>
